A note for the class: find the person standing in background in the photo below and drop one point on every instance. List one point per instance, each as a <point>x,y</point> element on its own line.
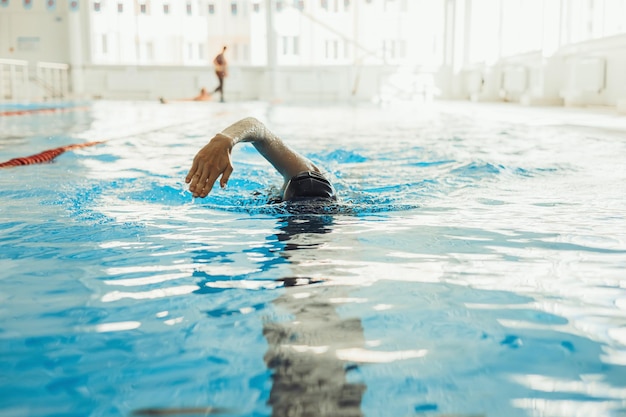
<point>221,70</point>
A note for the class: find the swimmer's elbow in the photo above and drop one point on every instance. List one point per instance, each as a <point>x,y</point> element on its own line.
<point>251,121</point>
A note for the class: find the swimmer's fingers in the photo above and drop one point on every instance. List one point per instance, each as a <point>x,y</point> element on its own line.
<point>199,178</point>
<point>211,161</point>
<point>192,171</point>
<point>226,176</point>
<point>196,179</point>
<point>207,186</point>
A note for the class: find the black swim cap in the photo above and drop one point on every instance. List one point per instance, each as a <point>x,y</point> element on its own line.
<point>309,185</point>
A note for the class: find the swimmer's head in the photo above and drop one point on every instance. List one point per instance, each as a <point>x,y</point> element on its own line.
<point>309,186</point>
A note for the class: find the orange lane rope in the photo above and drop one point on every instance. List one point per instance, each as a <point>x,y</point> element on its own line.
<point>24,112</point>
<point>50,154</point>
<point>45,156</point>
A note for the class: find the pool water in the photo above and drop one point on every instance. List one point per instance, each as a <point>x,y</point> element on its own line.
<point>474,265</point>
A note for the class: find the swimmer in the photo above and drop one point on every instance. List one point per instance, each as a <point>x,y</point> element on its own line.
<point>303,180</point>
<point>202,96</point>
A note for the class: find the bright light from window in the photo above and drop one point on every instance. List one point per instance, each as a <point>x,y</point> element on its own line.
<point>418,33</point>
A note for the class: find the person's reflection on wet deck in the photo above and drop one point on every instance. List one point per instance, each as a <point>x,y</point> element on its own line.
<point>309,380</point>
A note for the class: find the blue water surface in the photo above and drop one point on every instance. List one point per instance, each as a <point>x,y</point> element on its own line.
<point>473,265</point>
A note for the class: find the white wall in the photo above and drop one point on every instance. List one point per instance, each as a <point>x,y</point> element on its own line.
<point>37,34</point>
<point>336,83</point>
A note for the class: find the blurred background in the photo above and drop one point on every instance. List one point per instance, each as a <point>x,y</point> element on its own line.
<point>535,52</point>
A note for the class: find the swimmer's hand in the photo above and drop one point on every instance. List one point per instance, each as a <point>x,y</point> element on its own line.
<point>211,162</point>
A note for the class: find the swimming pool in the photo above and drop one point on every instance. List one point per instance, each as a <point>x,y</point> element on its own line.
<point>474,266</point>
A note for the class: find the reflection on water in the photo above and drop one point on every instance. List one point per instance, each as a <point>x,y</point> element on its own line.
<point>307,335</point>
<point>308,378</point>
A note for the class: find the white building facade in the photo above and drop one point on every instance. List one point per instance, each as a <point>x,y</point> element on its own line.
<point>513,50</point>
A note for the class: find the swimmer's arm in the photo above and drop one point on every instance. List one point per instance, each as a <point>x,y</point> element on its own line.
<point>213,160</point>
<point>286,161</point>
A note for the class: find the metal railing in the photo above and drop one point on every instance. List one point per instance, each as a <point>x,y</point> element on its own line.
<point>14,80</point>
<point>53,78</point>
<point>19,82</point>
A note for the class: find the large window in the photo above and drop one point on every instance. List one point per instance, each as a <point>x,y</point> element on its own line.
<point>104,44</point>
<point>499,28</point>
<point>290,45</point>
<point>343,32</point>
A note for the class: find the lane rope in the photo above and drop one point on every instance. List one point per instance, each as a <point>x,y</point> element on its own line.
<point>25,112</point>
<point>45,156</point>
<point>50,154</point>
